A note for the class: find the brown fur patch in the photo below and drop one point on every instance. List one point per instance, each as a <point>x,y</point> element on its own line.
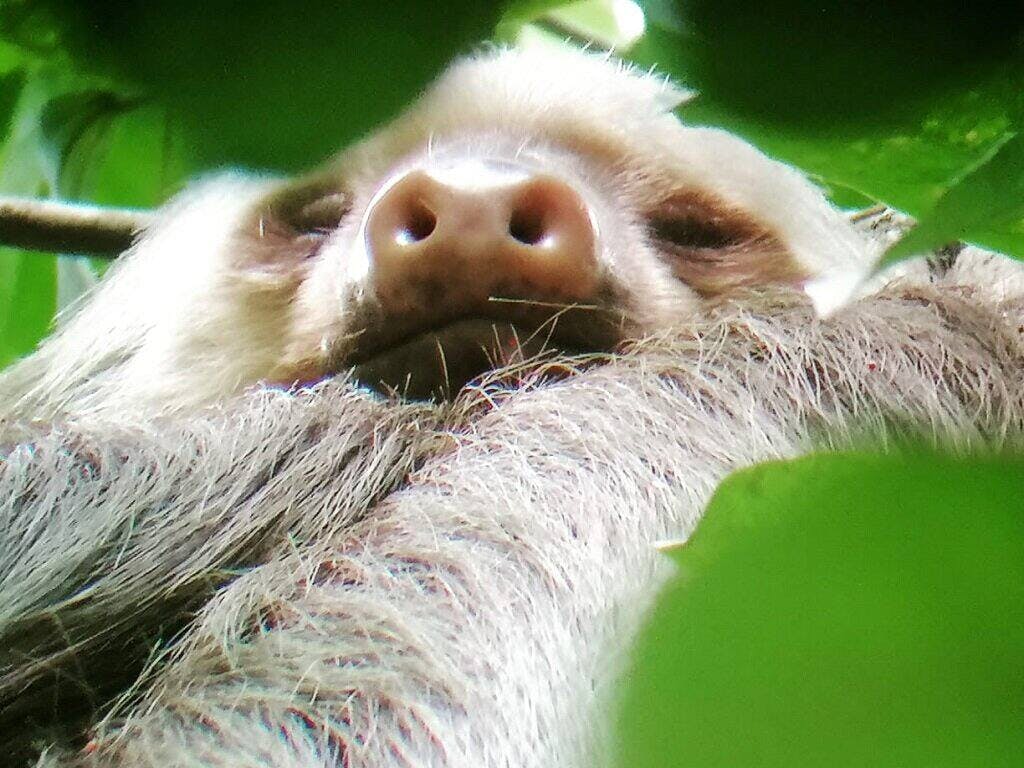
<point>311,205</point>
<point>715,248</point>
<point>282,235</point>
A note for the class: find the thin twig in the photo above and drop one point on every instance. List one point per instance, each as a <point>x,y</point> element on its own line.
<point>61,227</point>
<point>867,213</point>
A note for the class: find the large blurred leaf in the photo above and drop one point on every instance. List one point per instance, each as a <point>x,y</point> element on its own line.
<point>890,102</point>
<point>271,84</point>
<point>824,61</point>
<point>114,150</point>
<point>909,162</point>
<point>11,83</point>
<point>841,610</point>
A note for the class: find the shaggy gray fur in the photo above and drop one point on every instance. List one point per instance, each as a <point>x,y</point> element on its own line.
<point>110,535</point>
<point>476,615</point>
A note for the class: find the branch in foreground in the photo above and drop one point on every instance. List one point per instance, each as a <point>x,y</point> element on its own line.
<point>61,227</point>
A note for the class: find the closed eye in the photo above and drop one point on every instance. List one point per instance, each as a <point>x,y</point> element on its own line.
<point>692,232</point>
<point>311,208</point>
<point>695,220</point>
<point>322,215</point>
<point>715,248</point>
<point>292,227</point>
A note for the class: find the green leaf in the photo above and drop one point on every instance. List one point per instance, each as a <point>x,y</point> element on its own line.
<point>985,207</point>
<point>830,62</point>
<point>72,126</point>
<point>60,142</point>
<point>841,610</point>
<point>134,157</point>
<point>29,28</point>
<point>521,12</point>
<point>11,84</point>
<point>846,94</point>
<point>12,58</point>
<point>271,85</point>
<point>908,165</point>
<point>28,299</point>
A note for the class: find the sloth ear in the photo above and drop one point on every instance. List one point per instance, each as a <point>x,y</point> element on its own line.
<point>715,248</point>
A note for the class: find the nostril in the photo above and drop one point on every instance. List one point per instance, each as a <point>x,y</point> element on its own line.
<point>527,225</point>
<point>551,243</point>
<point>417,224</point>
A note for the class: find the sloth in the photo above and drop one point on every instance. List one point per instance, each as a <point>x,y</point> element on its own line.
<point>506,213</point>
<point>366,469</point>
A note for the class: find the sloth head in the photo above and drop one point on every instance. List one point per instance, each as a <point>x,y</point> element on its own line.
<point>528,202</point>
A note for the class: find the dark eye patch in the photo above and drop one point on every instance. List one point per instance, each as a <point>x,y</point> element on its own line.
<point>715,248</point>
<point>322,215</point>
<point>690,220</point>
<point>314,208</point>
<point>289,228</point>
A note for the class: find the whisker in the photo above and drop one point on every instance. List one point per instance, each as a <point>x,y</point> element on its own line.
<point>444,366</point>
<point>536,303</point>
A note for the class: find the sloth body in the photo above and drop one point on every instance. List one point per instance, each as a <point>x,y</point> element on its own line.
<point>350,580</point>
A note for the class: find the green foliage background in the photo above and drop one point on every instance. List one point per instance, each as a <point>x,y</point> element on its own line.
<point>785,640</point>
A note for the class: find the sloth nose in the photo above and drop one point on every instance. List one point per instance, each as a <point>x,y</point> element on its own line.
<point>452,238</point>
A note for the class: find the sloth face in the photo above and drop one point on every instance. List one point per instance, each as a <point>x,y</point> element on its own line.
<point>530,203</point>
<point>527,207</point>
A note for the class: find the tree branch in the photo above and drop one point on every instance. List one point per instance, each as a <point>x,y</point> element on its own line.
<point>61,227</point>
